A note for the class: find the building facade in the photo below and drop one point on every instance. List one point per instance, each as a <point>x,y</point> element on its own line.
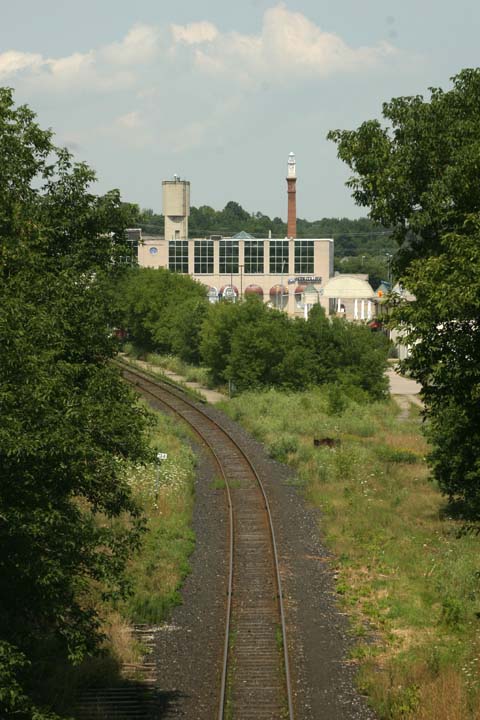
<point>277,269</point>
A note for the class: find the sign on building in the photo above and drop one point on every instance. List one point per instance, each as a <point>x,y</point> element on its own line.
<point>229,293</point>
<point>212,295</point>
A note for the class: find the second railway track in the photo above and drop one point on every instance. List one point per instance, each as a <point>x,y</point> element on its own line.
<point>255,681</point>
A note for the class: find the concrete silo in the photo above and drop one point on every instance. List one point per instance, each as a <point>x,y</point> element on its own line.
<point>176,208</point>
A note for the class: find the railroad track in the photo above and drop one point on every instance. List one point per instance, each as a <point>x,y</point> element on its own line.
<point>255,682</point>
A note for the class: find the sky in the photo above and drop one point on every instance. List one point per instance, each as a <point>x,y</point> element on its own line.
<point>219,92</point>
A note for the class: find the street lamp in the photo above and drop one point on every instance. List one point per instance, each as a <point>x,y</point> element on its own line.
<point>389,266</point>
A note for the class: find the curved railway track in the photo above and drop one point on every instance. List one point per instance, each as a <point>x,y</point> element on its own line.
<point>255,682</point>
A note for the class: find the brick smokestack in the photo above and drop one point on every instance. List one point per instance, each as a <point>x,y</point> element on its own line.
<point>292,197</point>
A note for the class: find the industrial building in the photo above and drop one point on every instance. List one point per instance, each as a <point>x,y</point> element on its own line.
<point>289,273</point>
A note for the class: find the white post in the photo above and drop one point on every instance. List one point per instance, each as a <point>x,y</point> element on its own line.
<point>362,311</point>
<point>355,309</point>
<point>369,310</point>
<point>339,304</point>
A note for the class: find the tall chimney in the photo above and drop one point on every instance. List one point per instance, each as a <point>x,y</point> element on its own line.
<point>292,197</point>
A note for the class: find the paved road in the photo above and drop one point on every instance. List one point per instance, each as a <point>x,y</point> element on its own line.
<point>400,385</point>
<point>404,392</point>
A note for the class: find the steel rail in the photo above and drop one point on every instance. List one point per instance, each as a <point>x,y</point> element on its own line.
<point>179,395</point>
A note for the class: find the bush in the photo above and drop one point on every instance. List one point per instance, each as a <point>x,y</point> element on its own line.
<point>254,346</point>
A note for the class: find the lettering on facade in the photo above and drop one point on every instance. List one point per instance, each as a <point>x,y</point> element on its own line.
<point>304,279</point>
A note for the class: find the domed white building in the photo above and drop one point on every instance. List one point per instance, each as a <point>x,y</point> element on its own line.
<point>350,295</point>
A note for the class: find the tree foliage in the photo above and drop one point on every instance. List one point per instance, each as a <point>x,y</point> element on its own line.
<point>67,419</point>
<point>419,175</point>
<point>163,311</point>
<point>254,346</point>
<point>376,267</point>
<point>442,327</point>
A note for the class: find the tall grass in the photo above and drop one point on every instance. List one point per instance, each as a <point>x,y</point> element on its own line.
<point>405,573</point>
<point>165,490</point>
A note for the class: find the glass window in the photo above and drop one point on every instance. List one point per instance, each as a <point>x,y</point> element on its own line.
<point>278,256</point>
<point>178,255</point>
<point>304,256</point>
<point>228,256</point>
<point>253,256</point>
<point>203,257</point>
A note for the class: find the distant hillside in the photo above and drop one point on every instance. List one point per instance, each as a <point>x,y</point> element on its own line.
<point>352,237</point>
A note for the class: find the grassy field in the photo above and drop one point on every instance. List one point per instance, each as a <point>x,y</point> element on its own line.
<point>406,572</point>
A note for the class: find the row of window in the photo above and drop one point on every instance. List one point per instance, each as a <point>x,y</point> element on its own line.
<point>254,261</point>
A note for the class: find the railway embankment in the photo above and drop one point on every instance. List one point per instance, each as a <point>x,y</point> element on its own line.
<point>366,531</point>
<point>405,566</point>
<point>318,639</point>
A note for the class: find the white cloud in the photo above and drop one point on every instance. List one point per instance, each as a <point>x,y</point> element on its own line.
<point>72,68</point>
<point>194,33</point>
<point>140,45</point>
<point>186,88</point>
<point>107,68</point>
<point>13,62</point>
<point>289,45</point>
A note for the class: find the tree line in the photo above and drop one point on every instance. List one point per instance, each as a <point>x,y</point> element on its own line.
<point>352,237</point>
<point>247,344</point>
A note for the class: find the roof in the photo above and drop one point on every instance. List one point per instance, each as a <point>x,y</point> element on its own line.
<point>348,286</point>
<point>242,235</point>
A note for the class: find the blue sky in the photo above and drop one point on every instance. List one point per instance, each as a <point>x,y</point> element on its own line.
<point>220,92</point>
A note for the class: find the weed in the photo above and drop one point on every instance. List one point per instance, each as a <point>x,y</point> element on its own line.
<point>281,448</point>
<point>217,483</point>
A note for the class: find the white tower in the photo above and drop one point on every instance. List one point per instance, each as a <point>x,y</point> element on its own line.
<point>292,166</point>
<point>176,208</point>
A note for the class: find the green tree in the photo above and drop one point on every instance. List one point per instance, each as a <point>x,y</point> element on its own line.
<point>377,268</point>
<point>67,419</point>
<point>441,327</point>
<point>216,338</point>
<point>162,310</point>
<point>419,176</point>
<point>258,346</point>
